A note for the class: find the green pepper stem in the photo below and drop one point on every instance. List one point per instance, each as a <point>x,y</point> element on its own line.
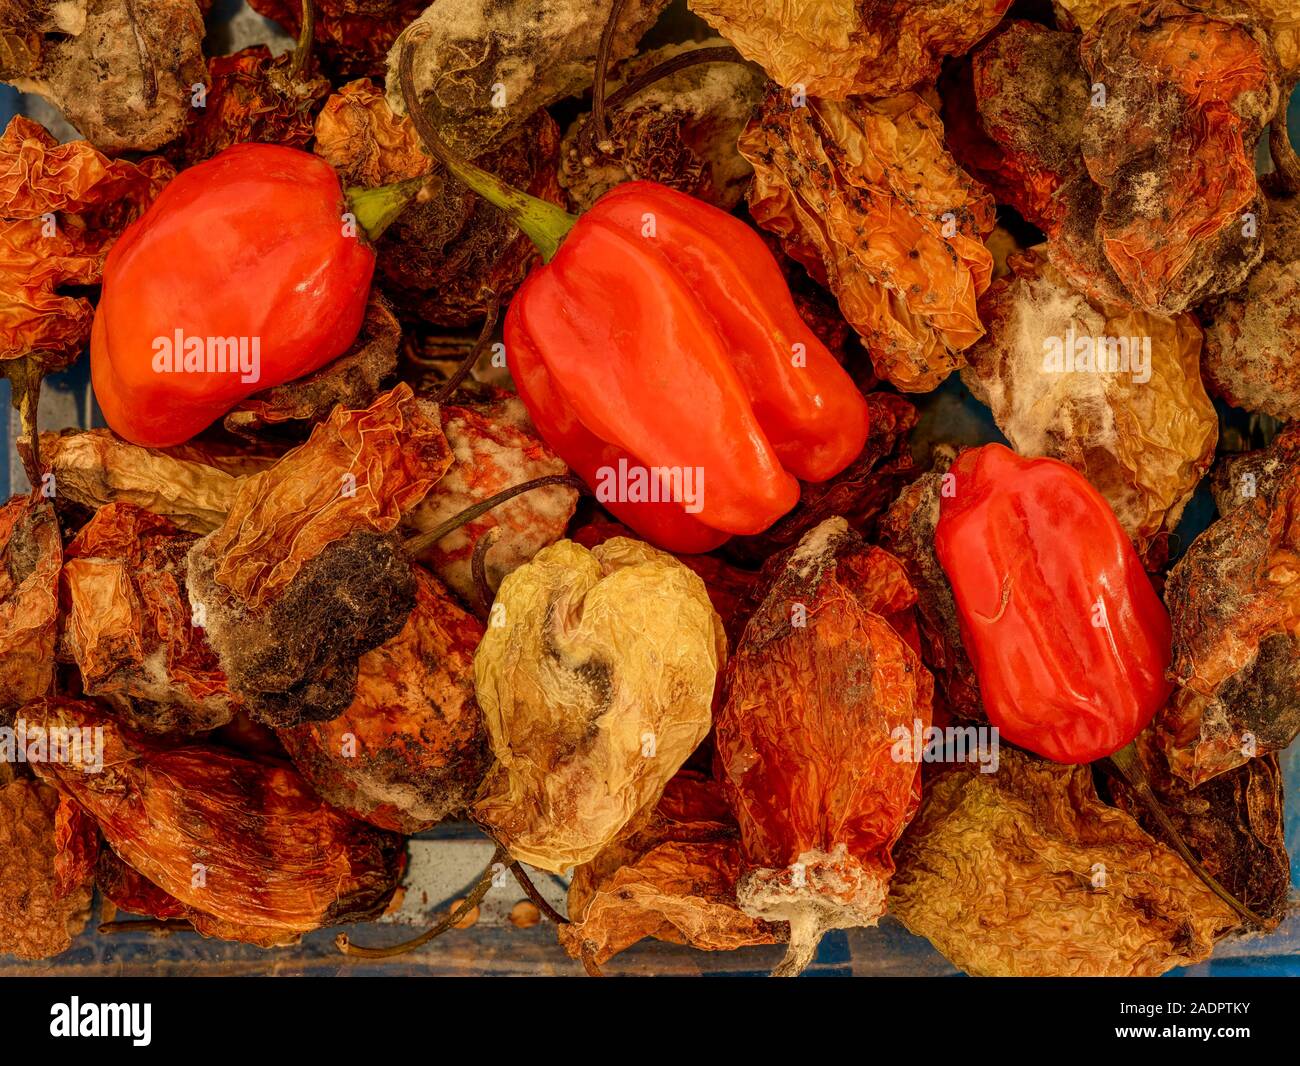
<point>1129,765</point>
<point>544,223</point>
<point>378,208</point>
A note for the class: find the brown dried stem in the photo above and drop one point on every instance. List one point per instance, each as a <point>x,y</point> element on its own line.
<point>422,542</point>
<point>450,386</point>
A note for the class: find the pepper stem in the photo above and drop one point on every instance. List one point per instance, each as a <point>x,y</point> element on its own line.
<point>422,542</point>
<point>1284,156</point>
<point>544,223</point>
<point>378,208</point>
<point>345,945</point>
<point>1129,765</point>
<point>302,50</point>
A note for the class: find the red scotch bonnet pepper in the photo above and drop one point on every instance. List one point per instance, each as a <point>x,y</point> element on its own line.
<point>1069,641</point>
<point>242,275</point>
<point>659,339</point>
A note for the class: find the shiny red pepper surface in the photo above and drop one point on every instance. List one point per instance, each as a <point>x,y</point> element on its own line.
<point>662,334</point>
<point>248,245</point>
<point>1069,641</point>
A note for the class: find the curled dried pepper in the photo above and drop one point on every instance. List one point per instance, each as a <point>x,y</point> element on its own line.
<point>243,841</point>
<point>305,574</point>
<point>847,48</point>
<point>596,686</point>
<point>1234,600</point>
<point>31,553</point>
<point>410,749</point>
<point>1026,873</point>
<point>129,627</point>
<point>865,195</point>
<point>670,875</point>
<point>820,680</point>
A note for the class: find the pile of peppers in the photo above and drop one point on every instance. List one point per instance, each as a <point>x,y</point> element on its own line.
<point>653,577</point>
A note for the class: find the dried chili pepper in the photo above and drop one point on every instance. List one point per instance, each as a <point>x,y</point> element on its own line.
<point>37,920</point>
<point>1113,391</point>
<point>121,71</point>
<point>1026,873</point>
<point>128,624</point>
<point>1234,601</point>
<point>819,681</point>
<point>305,575</point>
<point>31,553</point>
<point>244,842</point>
<point>410,750</point>
<point>595,680</point>
<point>259,221</point>
<point>742,361</point>
<point>253,97</point>
<point>679,130</point>
<point>851,47</point>
<point>827,173</point>
<point>670,875</point>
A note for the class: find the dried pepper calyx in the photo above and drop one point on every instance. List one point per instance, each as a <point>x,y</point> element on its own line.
<point>819,683</point>
<point>865,196</point>
<point>596,682</point>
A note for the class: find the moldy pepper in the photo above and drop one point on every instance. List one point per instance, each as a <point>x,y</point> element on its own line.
<point>661,335</point>
<point>242,275</point>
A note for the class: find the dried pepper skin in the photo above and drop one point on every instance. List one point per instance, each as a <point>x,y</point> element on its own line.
<point>411,749</point>
<point>449,254</point>
<point>670,875</point>
<point>93,199</point>
<point>274,861</point>
<point>847,48</point>
<point>122,72</point>
<point>1280,18</point>
<point>469,58</point>
<point>907,530</point>
<point>305,575</point>
<point>31,554</point>
<point>595,690</point>
<point>495,446</point>
<point>819,681</point>
<point>679,131</point>
<point>827,173</point>
<point>1200,90</point>
<point>1068,639</point>
<point>128,624</point>
<point>1003,873</point>
<point>1252,336</point>
<point>1234,600</point>
<point>1014,117</point>
<point>1233,824</point>
<point>1135,421</point>
<point>36,920</point>
<point>252,97</point>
